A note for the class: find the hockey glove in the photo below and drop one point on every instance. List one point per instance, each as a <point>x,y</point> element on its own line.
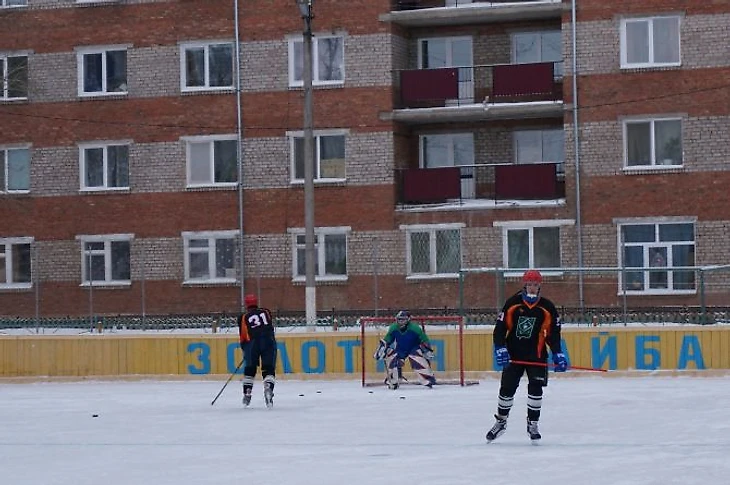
<point>501,356</point>
<point>427,352</point>
<point>380,352</point>
<point>561,363</point>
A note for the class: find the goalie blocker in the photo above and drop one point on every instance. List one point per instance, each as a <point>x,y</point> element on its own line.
<point>439,361</point>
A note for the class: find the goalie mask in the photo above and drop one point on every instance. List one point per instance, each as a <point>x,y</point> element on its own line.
<point>403,318</point>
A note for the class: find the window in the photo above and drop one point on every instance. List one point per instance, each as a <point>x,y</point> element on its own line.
<point>653,142</point>
<point>534,247</point>
<point>210,257</point>
<point>13,3</point>
<point>104,166</point>
<point>102,71</point>
<point>329,157</point>
<point>540,146</point>
<point>106,259</point>
<point>534,47</point>
<point>328,60</point>
<point>667,247</point>
<point>445,52</point>
<point>451,150</point>
<point>14,77</point>
<point>330,248</point>
<point>433,250</point>
<point>206,66</point>
<point>14,170</point>
<point>650,42</point>
<point>15,262</point>
<point>212,161</point>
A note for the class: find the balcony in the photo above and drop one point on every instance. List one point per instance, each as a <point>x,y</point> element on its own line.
<point>423,13</point>
<point>480,182</point>
<point>503,91</point>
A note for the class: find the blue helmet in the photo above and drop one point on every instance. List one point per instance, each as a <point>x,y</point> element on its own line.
<point>402,318</point>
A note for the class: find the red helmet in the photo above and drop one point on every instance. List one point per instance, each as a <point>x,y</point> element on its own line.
<point>532,276</point>
<point>250,300</point>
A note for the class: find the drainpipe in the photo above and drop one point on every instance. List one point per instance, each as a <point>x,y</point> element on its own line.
<point>239,155</point>
<point>576,150</point>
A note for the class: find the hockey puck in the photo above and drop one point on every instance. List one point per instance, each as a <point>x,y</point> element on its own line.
<point>402,397</point>
<point>301,395</point>
<point>319,392</point>
<point>370,392</point>
<point>94,415</point>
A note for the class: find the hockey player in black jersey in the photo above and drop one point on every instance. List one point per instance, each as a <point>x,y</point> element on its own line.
<point>526,326</point>
<point>258,342</point>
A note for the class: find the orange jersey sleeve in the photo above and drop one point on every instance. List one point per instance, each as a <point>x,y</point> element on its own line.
<point>243,335</point>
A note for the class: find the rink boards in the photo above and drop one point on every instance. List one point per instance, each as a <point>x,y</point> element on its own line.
<point>338,353</point>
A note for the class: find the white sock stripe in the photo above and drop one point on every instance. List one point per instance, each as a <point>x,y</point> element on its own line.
<point>247,380</point>
<point>505,402</point>
<point>269,379</point>
<point>534,402</point>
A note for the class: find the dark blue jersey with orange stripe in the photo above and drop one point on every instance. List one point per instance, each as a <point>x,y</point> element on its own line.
<point>526,329</point>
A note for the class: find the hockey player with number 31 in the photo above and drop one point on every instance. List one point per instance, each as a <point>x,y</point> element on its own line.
<point>406,340</point>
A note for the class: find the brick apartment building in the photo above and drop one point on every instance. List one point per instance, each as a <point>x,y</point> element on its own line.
<point>445,137</point>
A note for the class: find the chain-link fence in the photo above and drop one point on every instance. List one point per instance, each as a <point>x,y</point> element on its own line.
<point>612,295</point>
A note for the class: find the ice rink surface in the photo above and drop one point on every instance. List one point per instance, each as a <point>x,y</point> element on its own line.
<point>596,431</point>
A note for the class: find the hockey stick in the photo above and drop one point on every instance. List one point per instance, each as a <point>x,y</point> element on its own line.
<point>224,385</point>
<point>543,364</point>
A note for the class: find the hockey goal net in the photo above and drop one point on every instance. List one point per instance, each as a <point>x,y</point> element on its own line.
<point>446,334</point>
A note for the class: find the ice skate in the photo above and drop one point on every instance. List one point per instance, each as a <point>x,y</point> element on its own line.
<point>246,398</point>
<point>500,426</point>
<point>269,397</point>
<point>533,432</point>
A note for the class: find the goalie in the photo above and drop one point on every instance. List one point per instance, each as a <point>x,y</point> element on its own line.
<point>406,340</point>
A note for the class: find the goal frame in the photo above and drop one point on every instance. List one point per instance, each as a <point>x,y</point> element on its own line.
<point>423,321</point>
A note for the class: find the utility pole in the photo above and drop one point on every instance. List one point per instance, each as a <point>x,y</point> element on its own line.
<point>305,8</point>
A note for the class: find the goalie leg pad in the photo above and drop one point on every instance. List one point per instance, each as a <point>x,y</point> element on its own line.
<point>422,368</point>
<point>392,369</point>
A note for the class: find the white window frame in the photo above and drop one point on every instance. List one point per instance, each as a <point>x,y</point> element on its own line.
<point>83,51</point>
<point>625,64</point>
<point>560,169</point>
<point>431,229</point>
<point>104,145</point>
<point>4,4</point>
<point>646,247</point>
<point>320,250</point>
<point>9,243</point>
<point>212,237</point>
<point>210,139</point>
<point>5,80</point>
<point>4,165</point>
<point>652,142</point>
<point>293,135</point>
<point>557,63</point>
<point>530,225</point>
<point>184,47</point>
<point>107,239</point>
<point>466,72</point>
<point>315,61</point>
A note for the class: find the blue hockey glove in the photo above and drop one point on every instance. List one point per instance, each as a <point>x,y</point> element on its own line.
<point>427,351</point>
<point>561,363</point>
<point>380,351</point>
<point>501,356</point>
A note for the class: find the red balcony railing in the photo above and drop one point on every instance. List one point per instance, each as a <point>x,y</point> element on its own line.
<point>508,181</point>
<point>420,4</point>
<point>504,83</point>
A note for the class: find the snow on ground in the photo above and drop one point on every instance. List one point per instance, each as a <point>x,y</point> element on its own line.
<point>596,431</point>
